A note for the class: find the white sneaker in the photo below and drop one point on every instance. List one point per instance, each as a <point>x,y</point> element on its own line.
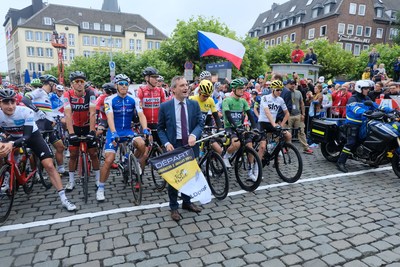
<point>100,195</point>
<point>227,163</point>
<point>97,183</point>
<point>68,205</point>
<point>70,186</point>
<point>6,183</point>
<point>61,169</point>
<point>67,154</point>
<point>251,175</point>
<point>255,171</point>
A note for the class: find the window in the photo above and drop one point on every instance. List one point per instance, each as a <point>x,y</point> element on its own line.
<point>49,66</point>
<point>131,44</point>
<point>353,8</point>
<point>118,43</point>
<point>340,44</point>
<point>278,26</point>
<point>266,44</point>
<point>327,9</point>
<point>49,52</point>
<point>322,30</point>
<point>379,12</point>
<point>311,33</point>
<point>110,42</point>
<point>71,39</point>
<point>368,31</point>
<point>31,51</point>
<point>149,45</point>
<point>118,28</point>
<point>271,27</point>
<point>107,27</point>
<point>31,66</point>
<point>96,26</point>
<point>39,36</point>
<point>284,24</point>
<point>393,33</point>
<point>86,40</point>
<point>103,42</point>
<point>350,29</point>
<point>85,25</point>
<point>357,49</point>
<point>341,28</point>
<point>29,35</point>
<point>158,44</point>
<point>64,54</point>
<point>40,66</point>
<point>298,19</point>
<point>348,47</point>
<point>293,37</point>
<point>361,11</point>
<point>278,40</point>
<point>47,21</point>
<point>95,41</point>
<point>365,47</point>
<point>291,21</point>
<point>150,31</point>
<point>138,45</point>
<point>314,13</point>
<point>379,33</point>
<point>47,37</point>
<point>86,53</point>
<point>272,42</point>
<point>266,29</point>
<point>285,38</point>
<point>40,52</point>
<point>359,30</point>
<point>71,54</point>
<point>292,9</point>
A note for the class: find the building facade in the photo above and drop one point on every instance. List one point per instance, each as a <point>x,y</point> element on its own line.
<point>354,24</point>
<point>30,31</point>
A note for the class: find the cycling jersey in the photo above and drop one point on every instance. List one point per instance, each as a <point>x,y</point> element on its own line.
<point>14,124</point>
<point>246,96</point>
<point>150,101</point>
<point>57,105</point>
<point>100,106</point>
<point>273,104</point>
<point>237,107</point>
<point>41,100</point>
<point>80,106</point>
<point>206,107</point>
<point>123,110</point>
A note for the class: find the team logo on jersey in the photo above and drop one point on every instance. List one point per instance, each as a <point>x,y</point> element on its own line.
<point>106,107</point>
<point>19,122</point>
<point>272,106</point>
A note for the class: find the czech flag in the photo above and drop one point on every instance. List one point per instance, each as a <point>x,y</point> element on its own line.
<point>211,44</point>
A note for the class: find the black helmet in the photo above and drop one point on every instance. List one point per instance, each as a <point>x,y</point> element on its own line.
<point>77,75</point>
<point>7,94</point>
<point>150,71</point>
<point>48,78</point>
<point>109,88</point>
<point>88,84</point>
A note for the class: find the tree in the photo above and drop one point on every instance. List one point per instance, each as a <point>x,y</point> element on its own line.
<point>254,63</point>
<point>396,24</point>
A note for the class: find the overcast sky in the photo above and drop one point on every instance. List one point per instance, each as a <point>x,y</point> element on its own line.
<point>239,15</point>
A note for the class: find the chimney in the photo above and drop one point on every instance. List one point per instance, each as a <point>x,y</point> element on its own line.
<point>37,5</point>
<point>274,6</point>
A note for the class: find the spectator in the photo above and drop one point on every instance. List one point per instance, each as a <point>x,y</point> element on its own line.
<point>366,74</point>
<point>310,84</point>
<point>340,98</point>
<point>396,70</point>
<point>393,91</point>
<point>297,55</point>
<point>378,90</point>
<point>287,97</point>
<point>373,58</point>
<point>311,57</point>
<point>326,102</point>
<point>382,71</point>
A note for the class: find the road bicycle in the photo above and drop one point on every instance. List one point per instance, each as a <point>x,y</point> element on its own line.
<point>155,150</point>
<point>18,170</point>
<point>84,166</point>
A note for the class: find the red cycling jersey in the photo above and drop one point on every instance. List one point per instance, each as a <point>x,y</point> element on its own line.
<point>150,101</point>
<point>100,106</point>
<point>80,106</point>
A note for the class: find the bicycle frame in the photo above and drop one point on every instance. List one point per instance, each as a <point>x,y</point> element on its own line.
<point>83,149</point>
<point>21,178</point>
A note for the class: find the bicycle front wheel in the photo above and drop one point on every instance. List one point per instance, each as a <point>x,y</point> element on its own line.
<point>217,175</point>
<point>85,176</point>
<point>43,175</point>
<point>248,169</point>
<point>6,193</point>
<point>159,182</point>
<point>136,178</point>
<point>288,163</point>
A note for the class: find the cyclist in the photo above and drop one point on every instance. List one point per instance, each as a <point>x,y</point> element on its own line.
<point>120,109</point>
<point>204,75</point>
<point>38,100</point>
<point>19,123</point>
<point>233,108</point>
<point>80,118</point>
<point>57,102</point>
<point>109,89</point>
<point>36,83</point>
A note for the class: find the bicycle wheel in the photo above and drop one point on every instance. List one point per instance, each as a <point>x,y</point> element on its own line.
<point>248,161</point>
<point>43,175</point>
<point>217,175</point>
<point>288,163</point>
<point>6,193</point>
<point>29,171</point>
<point>159,182</point>
<point>124,163</point>
<point>100,147</point>
<point>85,176</point>
<point>136,179</point>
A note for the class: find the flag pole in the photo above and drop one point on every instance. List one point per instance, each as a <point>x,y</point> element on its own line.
<point>211,136</point>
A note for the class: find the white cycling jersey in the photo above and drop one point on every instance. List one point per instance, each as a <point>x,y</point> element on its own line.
<point>41,100</point>
<point>273,103</point>
<point>14,124</point>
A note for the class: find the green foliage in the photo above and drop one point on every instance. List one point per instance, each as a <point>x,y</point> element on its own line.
<point>396,39</point>
<point>254,63</point>
<point>279,53</point>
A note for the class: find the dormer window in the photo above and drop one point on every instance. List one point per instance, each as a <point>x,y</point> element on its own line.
<point>379,12</point>
<point>315,10</point>
<point>96,26</point>
<point>85,25</point>
<point>107,27</point>
<point>47,21</point>
<point>150,31</point>
<point>327,9</point>
<point>118,28</point>
<point>298,19</point>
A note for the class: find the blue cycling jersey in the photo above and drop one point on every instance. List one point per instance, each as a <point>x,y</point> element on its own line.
<point>123,110</point>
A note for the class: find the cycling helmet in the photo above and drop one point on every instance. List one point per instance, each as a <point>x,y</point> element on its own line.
<point>36,83</point>
<point>205,74</point>
<point>361,84</point>
<point>77,75</point>
<point>109,88</point>
<point>7,94</point>
<point>121,77</point>
<point>277,84</point>
<point>88,84</point>
<point>217,85</point>
<point>160,78</point>
<point>206,87</point>
<point>237,83</point>
<point>48,78</point>
<point>60,87</point>
<point>150,71</point>
<point>244,80</point>
<point>13,86</point>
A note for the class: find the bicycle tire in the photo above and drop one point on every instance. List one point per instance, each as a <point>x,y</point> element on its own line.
<point>286,163</point>
<point>217,175</point>
<point>159,182</point>
<point>124,163</point>
<point>43,175</point>
<point>242,166</point>
<point>85,177</point>
<point>28,186</point>
<point>7,197</point>
<point>136,179</point>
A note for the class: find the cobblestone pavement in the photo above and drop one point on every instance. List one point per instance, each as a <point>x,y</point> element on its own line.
<point>333,220</point>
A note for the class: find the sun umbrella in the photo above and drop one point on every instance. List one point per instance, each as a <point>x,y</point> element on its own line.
<point>27,78</point>
<point>34,76</point>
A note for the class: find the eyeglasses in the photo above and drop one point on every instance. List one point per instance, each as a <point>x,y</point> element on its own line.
<point>8,101</point>
<point>79,81</point>
<point>205,96</point>
<point>154,76</point>
<point>123,83</point>
<point>278,90</point>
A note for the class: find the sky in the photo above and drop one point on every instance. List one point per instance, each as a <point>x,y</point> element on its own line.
<point>238,15</point>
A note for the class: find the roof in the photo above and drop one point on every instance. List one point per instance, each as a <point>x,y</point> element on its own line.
<point>76,15</point>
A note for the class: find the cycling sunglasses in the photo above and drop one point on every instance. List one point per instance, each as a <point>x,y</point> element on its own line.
<point>8,101</point>
<point>123,83</point>
<point>79,81</point>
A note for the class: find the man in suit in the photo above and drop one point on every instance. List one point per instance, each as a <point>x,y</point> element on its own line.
<point>180,123</point>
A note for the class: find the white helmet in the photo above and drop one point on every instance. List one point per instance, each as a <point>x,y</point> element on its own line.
<point>205,74</point>
<point>362,84</point>
<point>59,87</point>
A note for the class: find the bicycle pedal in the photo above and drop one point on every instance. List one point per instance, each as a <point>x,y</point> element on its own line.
<point>78,181</point>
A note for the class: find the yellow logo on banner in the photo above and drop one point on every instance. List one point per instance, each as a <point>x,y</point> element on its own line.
<point>179,176</point>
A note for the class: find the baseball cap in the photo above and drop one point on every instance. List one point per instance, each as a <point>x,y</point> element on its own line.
<point>261,76</point>
<point>321,79</point>
<point>303,82</point>
<point>289,81</point>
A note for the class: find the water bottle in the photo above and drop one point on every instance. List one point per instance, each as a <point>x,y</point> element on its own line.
<point>271,145</point>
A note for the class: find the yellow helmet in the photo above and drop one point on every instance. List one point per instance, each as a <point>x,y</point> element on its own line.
<point>276,84</point>
<point>206,87</point>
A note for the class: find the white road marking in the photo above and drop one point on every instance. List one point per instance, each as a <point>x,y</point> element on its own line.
<point>160,205</point>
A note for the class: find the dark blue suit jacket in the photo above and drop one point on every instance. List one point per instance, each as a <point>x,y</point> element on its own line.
<point>167,122</point>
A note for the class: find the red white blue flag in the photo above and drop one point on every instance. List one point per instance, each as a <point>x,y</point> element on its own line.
<point>212,44</point>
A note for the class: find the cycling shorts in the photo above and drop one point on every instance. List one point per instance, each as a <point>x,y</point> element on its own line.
<point>38,145</point>
<point>46,125</point>
<point>232,133</point>
<point>110,147</point>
